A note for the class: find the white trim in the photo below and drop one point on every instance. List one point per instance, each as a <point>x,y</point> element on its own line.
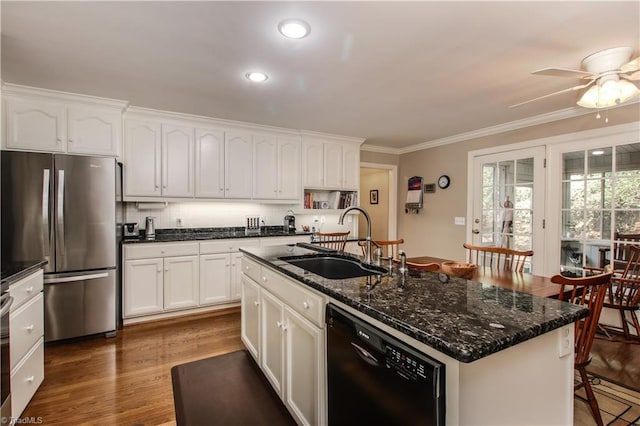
<point>392,232</point>
<point>9,89</point>
<point>549,117</point>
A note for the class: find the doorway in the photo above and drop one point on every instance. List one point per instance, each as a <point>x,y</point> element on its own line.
<point>378,196</point>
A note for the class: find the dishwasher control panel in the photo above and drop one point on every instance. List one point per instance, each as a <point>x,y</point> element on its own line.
<point>407,366</point>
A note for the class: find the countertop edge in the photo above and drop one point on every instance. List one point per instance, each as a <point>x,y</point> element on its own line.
<point>423,336</point>
<point>27,269</point>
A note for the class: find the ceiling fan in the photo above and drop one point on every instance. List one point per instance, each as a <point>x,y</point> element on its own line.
<point>609,74</point>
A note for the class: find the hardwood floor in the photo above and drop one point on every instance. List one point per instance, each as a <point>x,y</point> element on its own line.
<point>126,380</point>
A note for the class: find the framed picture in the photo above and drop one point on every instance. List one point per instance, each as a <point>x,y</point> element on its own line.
<point>373,196</point>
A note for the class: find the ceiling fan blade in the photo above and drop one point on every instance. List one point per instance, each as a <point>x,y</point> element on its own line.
<point>633,77</point>
<point>630,66</point>
<point>570,89</point>
<point>565,72</point>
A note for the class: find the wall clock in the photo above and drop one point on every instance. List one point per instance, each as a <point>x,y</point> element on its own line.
<point>444,181</point>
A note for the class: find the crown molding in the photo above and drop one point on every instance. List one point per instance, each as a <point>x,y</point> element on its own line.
<point>9,89</point>
<point>339,138</point>
<point>549,117</point>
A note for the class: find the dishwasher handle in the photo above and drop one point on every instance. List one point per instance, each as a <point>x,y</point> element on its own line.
<point>366,355</point>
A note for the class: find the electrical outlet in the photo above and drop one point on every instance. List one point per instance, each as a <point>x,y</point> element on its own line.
<point>565,341</point>
<point>458,220</point>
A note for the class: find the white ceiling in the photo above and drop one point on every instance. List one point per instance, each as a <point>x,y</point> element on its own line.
<point>395,73</point>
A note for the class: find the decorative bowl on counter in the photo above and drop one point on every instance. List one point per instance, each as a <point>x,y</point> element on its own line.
<point>459,269</point>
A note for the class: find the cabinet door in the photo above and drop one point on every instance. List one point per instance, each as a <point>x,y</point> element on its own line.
<point>238,150</point>
<point>265,170</point>
<point>305,372</point>
<point>37,126</point>
<point>272,339</point>
<point>177,161</point>
<point>350,166</point>
<point>289,169</point>
<point>181,282</point>
<point>142,157</point>
<point>236,275</point>
<point>209,163</point>
<point>215,278</point>
<point>94,131</point>
<point>250,319</point>
<point>313,164</point>
<point>143,287</point>
<point>333,165</point>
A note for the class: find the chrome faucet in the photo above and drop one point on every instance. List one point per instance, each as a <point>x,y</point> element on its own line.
<point>367,251</point>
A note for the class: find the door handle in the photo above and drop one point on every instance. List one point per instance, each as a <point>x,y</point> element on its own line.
<point>76,278</point>
<point>60,223</point>
<point>365,355</point>
<point>46,231</point>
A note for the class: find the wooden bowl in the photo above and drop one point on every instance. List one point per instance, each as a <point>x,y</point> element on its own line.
<point>459,269</point>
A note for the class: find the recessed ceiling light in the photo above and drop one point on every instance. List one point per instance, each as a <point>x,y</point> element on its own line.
<point>294,28</point>
<point>256,76</point>
<point>597,152</point>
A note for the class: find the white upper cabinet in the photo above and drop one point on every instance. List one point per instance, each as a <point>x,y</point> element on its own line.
<point>313,163</point>
<point>33,125</point>
<point>265,177</point>
<point>350,166</point>
<point>289,168</point>
<point>177,161</point>
<point>276,167</point>
<point>93,131</point>
<point>330,163</point>
<point>142,153</point>
<point>238,164</point>
<point>209,172</point>
<point>43,120</point>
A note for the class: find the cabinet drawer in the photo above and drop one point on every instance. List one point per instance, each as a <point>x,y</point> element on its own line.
<point>303,301</point>
<point>26,378</point>
<point>151,250</point>
<point>26,288</point>
<point>227,246</point>
<point>251,269</point>
<point>27,326</point>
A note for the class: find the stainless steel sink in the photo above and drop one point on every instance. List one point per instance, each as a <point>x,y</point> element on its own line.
<point>334,267</point>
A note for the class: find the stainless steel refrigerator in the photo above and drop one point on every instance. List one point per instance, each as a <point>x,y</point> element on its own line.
<point>62,208</point>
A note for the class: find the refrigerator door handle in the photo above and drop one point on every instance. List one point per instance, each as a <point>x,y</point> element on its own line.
<point>60,223</point>
<point>69,279</point>
<point>46,229</point>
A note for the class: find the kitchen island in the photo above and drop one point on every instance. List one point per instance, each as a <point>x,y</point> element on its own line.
<point>508,355</point>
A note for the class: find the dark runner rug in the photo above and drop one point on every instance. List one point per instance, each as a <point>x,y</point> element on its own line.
<point>227,389</point>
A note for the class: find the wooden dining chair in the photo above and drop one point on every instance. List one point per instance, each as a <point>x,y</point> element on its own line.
<point>333,240</point>
<point>624,296</point>
<point>389,247</point>
<point>589,292</point>
<point>621,250</point>
<point>498,257</point>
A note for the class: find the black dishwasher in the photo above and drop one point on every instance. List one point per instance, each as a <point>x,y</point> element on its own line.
<point>374,378</point>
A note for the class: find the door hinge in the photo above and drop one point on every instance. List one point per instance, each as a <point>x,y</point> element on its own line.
<point>544,163</point>
<point>544,223</point>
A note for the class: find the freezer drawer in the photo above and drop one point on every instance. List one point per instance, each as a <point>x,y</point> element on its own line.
<point>79,304</point>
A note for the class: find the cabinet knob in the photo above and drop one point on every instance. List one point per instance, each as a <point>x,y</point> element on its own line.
<point>256,303</point>
<point>305,305</point>
<point>166,270</point>
<point>30,379</point>
<point>70,140</point>
<point>157,187</point>
<point>30,328</point>
<point>58,140</point>
<point>227,189</point>
<point>159,270</point>
<point>264,279</point>
<point>29,290</point>
<point>278,324</point>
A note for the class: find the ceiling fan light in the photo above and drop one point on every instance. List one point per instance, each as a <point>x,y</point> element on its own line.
<point>608,94</point>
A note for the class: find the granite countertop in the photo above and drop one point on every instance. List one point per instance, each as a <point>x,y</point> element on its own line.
<point>196,234</point>
<point>463,319</point>
<point>13,271</point>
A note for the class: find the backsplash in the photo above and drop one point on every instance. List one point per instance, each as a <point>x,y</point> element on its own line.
<point>223,214</point>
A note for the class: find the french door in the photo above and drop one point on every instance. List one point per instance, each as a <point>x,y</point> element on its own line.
<point>508,202</point>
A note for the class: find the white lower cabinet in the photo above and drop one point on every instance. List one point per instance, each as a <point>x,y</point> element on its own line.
<point>285,334</point>
<point>181,278</point>
<point>215,278</point>
<point>26,322</point>
<point>143,286</point>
